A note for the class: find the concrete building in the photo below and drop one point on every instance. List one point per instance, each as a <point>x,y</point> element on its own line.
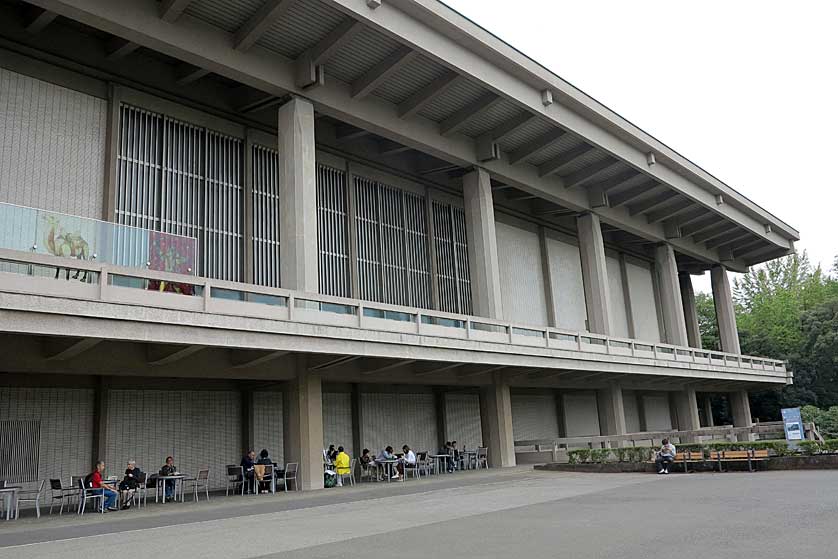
<point>339,221</point>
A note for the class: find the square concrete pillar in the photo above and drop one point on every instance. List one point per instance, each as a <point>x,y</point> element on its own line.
<point>482,244</point>
<point>297,197</point>
<point>707,401</point>
<point>612,412</point>
<point>686,411</point>
<point>594,273</point>
<point>725,314</point>
<point>303,425</point>
<point>740,407</point>
<point>496,422</point>
<point>670,295</point>
<point>690,311</point>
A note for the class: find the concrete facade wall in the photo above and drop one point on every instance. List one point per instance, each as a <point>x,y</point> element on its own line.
<point>337,421</point>
<point>656,410</point>
<point>581,417</point>
<point>268,424</point>
<point>521,276</point>
<point>198,428</point>
<point>66,427</point>
<point>617,310</point>
<point>462,413</point>
<point>397,419</point>
<point>52,146</point>
<point>567,288</point>
<point>632,411</point>
<point>534,416</point>
<point>643,304</point>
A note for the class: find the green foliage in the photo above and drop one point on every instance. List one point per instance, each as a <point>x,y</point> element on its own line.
<point>825,420</point>
<point>605,455</point>
<point>786,309</point>
<point>600,455</point>
<point>621,454</point>
<point>830,445</point>
<point>777,448</point>
<point>809,447</point>
<point>579,456</point>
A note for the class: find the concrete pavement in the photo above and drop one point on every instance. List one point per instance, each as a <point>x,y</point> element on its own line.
<point>492,514</point>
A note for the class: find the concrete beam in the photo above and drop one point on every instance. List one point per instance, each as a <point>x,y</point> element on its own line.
<point>672,307</point>
<point>330,362</point>
<point>387,148</point>
<point>503,131</point>
<point>496,422</point>
<point>587,173</point>
<point>732,238</point>
<point>594,273</point>
<point>381,72</point>
<point>555,164</point>
<point>651,203</point>
<point>298,197</point>
<point>615,181</point>
<point>436,369</point>
<point>187,74</point>
<point>388,367</point>
<point>531,148</point>
<point>669,211</point>
<point>308,63</point>
<point>712,233</point>
<point>39,21</point>
<point>708,222</point>
<point>480,371</point>
<point>252,30</point>
<point>118,48</point>
<point>617,199</point>
<point>244,359</point>
<point>759,247</point>
<point>62,349</point>
<point>483,244</point>
<point>423,97</point>
<point>725,313</point>
<point>170,10</point>
<point>690,311</point>
<point>165,355</point>
<point>462,117</point>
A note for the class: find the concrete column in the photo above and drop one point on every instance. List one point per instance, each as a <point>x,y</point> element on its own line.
<point>740,406</point>
<point>690,311</point>
<point>686,410</point>
<point>670,295</point>
<point>725,315</point>
<point>496,420</point>
<point>482,244</point>
<point>594,274</point>
<point>612,413</point>
<point>303,407</point>
<point>298,196</point>
<point>441,416</point>
<point>707,401</point>
<point>248,421</point>
<point>100,422</point>
<point>357,421</point>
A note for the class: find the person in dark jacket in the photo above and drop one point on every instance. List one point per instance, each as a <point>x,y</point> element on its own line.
<point>129,484</point>
<point>169,469</point>
<point>248,461</point>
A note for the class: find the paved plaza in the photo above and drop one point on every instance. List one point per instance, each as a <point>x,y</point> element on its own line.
<point>506,513</point>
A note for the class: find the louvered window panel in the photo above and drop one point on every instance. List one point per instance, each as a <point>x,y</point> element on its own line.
<point>265,198</point>
<point>393,262</point>
<point>332,231</point>
<point>182,179</point>
<point>451,246</point>
<point>369,239</point>
<point>19,450</point>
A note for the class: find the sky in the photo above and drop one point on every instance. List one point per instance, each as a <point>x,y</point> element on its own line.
<point>746,89</point>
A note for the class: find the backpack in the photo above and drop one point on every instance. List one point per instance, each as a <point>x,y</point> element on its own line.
<point>329,480</point>
<point>88,480</point>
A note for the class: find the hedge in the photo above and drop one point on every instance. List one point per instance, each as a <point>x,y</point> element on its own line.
<point>642,453</point>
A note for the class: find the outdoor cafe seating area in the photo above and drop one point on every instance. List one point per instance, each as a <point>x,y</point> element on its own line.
<point>77,495</point>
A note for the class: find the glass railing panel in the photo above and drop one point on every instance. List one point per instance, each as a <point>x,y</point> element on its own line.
<point>248,297</point>
<point>442,321</point>
<point>335,308</point>
<point>70,236</point>
<point>389,315</point>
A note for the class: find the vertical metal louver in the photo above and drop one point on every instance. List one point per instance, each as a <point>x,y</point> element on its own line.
<point>369,242</point>
<point>332,231</point>
<point>265,177</point>
<point>179,178</point>
<point>393,262</point>
<point>451,245</point>
<point>20,442</point>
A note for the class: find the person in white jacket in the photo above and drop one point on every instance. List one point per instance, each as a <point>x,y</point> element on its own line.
<point>408,459</point>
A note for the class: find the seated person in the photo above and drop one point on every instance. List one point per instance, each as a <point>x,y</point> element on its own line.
<point>665,457</point>
<point>259,469</point>
<point>108,490</point>
<point>169,469</point>
<point>342,465</point>
<point>248,462</point>
<point>366,459</point>
<point>408,459</point>
<point>385,456</point>
<point>129,484</point>
<point>457,455</point>
<point>331,454</point>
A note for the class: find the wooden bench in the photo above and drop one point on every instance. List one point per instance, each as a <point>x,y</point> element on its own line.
<point>749,456</point>
<point>686,458</point>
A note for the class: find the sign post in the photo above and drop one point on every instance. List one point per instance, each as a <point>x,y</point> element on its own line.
<point>792,425</point>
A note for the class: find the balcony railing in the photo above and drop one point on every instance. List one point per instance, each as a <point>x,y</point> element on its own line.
<point>57,234</point>
<point>137,286</point>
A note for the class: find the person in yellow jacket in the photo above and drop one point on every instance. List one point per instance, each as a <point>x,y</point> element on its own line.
<point>341,465</point>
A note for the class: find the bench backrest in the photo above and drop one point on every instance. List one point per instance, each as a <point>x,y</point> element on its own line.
<point>763,453</point>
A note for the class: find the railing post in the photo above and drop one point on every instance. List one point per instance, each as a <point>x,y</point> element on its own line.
<point>291,305</point>
<point>360,315</point>
<point>207,296</point>
<point>418,323</point>
<point>103,283</point>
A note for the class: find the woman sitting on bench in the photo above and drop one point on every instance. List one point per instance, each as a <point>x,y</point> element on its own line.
<point>665,457</point>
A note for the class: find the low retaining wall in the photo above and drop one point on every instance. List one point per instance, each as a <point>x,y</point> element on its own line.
<point>816,462</point>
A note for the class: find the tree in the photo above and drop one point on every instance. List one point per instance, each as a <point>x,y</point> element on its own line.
<point>706,310</point>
